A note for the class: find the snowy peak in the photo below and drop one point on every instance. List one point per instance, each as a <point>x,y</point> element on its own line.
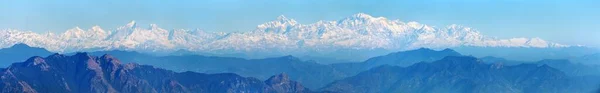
<point>97,28</point>
<point>366,22</point>
<point>281,36</point>
<point>74,33</point>
<point>361,16</point>
<point>131,24</point>
<point>154,26</point>
<point>96,32</point>
<point>77,29</point>
<point>456,27</point>
<point>280,21</point>
<point>284,19</point>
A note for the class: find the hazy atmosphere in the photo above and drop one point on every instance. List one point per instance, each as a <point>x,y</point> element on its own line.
<point>565,21</point>
<point>300,46</point>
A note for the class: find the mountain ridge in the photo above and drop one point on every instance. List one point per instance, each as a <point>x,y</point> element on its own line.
<point>309,73</point>
<point>283,36</point>
<point>463,74</point>
<point>83,72</point>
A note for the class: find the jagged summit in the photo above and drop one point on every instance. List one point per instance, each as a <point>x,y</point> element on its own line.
<point>107,56</point>
<point>281,21</point>
<point>35,59</point>
<point>131,24</point>
<point>362,15</point>
<point>75,29</point>
<point>283,77</point>
<point>154,26</point>
<point>282,84</point>
<point>96,27</point>
<point>282,17</point>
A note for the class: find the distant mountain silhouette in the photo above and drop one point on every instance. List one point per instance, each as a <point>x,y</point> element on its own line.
<point>528,53</point>
<point>83,73</point>
<point>568,66</point>
<point>572,68</point>
<point>20,52</point>
<point>407,58</point>
<point>403,58</point>
<point>593,59</point>
<point>460,74</point>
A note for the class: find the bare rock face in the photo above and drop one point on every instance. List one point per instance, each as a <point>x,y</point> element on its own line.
<point>282,84</point>
<point>82,73</point>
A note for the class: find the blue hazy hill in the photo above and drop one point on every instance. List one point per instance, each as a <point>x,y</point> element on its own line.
<point>19,53</point>
<point>461,74</point>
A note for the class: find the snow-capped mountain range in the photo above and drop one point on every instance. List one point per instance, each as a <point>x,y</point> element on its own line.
<point>281,36</point>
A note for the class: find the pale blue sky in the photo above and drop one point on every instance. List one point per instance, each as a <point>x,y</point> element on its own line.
<point>563,21</point>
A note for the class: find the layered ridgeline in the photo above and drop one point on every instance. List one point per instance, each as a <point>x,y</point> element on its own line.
<point>571,68</point>
<point>314,75</point>
<point>309,73</point>
<point>460,74</point>
<point>83,73</point>
<point>357,38</point>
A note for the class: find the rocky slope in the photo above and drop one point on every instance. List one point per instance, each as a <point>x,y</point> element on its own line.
<point>83,73</point>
